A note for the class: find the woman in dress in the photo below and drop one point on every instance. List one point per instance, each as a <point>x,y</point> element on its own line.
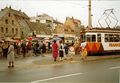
<point>10,56</point>
<point>55,50</point>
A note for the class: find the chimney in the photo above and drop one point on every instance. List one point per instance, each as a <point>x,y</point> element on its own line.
<point>19,10</point>
<point>2,9</point>
<point>10,7</point>
<point>72,17</point>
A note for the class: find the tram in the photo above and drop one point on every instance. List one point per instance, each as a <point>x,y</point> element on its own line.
<point>101,40</point>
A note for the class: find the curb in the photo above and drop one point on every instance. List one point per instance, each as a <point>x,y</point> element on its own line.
<point>101,58</point>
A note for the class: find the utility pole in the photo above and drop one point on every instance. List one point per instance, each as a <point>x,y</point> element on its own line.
<point>89,15</point>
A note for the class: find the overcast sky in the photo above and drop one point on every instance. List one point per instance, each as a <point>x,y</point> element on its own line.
<point>61,9</point>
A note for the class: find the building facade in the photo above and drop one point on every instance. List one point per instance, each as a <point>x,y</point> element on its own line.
<point>13,23</point>
<point>40,30</point>
<point>45,19</point>
<point>72,26</point>
<point>69,30</point>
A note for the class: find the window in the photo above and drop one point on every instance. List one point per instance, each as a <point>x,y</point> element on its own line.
<point>48,21</point>
<point>6,21</point>
<point>38,21</point>
<point>106,37</point>
<point>116,37</point>
<point>88,38</point>
<point>6,30</point>
<point>65,29</point>
<point>9,15</point>
<point>93,38</point>
<point>16,31</point>
<point>72,30</point>
<point>2,30</point>
<point>82,36</point>
<point>111,38</point>
<point>98,37</point>
<point>13,30</point>
<point>12,21</point>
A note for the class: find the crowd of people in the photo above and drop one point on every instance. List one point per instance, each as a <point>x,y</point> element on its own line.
<point>10,49</point>
<point>61,50</point>
<point>23,48</point>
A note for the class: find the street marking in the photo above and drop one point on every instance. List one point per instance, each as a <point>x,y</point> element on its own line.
<point>56,77</point>
<point>117,67</point>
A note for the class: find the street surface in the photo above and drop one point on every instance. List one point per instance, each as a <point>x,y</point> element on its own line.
<point>31,70</point>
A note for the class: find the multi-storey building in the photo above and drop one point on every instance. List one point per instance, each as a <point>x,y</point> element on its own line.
<point>72,26</point>
<point>69,30</point>
<point>13,23</point>
<point>40,30</point>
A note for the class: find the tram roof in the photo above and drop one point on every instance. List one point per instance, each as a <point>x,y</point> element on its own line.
<point>103,30</point>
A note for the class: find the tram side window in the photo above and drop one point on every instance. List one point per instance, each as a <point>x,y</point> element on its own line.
<point>98,37</point>
<point>116,38</point>
<point>111,38</point>
<point>93,38</point>
<point>106,38</point>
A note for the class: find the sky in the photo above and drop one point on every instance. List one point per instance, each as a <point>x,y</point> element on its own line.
<point>60,9</point>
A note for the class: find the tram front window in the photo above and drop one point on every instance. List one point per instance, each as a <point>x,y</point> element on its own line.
<point>93,38</point>
<point>88,38</point>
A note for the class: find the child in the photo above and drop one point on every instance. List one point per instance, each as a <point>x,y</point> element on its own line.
<point>84,53</point>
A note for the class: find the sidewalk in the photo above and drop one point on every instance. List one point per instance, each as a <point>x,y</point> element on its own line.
<point>32,62</point>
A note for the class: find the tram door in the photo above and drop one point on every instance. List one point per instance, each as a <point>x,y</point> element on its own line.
<point>83,37</point>
<point>98,37</point>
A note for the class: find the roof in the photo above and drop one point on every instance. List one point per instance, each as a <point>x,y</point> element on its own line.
<point>19,13</point>
<point>103,30</point>
<point>45,16</point>
<point>76,21</point>
<point>15,12</point>
<point>57,22</point>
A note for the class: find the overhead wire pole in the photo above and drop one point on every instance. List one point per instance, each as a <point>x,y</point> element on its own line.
<point>109,13</point>
<point>89,15</point>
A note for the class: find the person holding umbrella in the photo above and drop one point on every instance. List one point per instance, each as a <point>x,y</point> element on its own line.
<point>55,50</point>
<point>61,50</point>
